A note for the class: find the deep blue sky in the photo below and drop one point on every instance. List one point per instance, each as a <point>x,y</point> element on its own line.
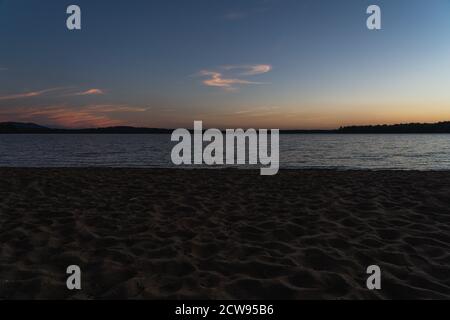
<point>261,63</point>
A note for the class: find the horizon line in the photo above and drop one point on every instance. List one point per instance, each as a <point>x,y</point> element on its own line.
<point>49,127</point>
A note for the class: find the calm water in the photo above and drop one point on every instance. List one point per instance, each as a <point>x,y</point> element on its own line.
<point>421,152</point>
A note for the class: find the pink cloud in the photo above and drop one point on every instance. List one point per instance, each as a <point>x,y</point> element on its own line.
<point>27,94</point>
<point>76,118</point>
<point>90,92</point>
<point>71,117</point>
<point>218,79</point>
<point>32,94</point>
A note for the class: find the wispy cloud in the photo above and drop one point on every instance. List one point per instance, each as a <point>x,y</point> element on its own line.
<point>32,94</point>
<point>28,94</point>
<point>3,69</point>
<point>111,108</point>
<point>250,70</point>
<point>216,79</point>
<point>72,117</point>
<point>232,81</point>
<point>90,92</point>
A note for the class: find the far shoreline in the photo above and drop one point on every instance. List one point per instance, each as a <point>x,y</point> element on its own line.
<point>404,128</point>
<point>282,132</point>
<point>230,170</point>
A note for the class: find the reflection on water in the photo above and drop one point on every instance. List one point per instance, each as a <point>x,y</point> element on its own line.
<point>419,152</point>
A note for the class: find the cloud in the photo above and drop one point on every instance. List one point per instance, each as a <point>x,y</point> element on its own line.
<point>90,92</point>
<point>3,69</point>
<point>218,79</point>
<point>114,108</point>
<point>257,69</point>
<point>250,70</point>
<point>71,117</point>
<point>32,94</point>
<point>28,94</point>
<point>74,118</point>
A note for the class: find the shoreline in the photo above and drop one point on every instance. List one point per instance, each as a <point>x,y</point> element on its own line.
<point>227,169</point>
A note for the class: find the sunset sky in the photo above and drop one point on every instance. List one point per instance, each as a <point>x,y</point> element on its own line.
<point>231,63</point>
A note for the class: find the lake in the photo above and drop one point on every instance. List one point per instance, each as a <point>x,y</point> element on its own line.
<point>327,151</point>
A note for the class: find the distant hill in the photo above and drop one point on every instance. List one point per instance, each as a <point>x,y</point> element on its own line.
<point>440,127</point>
<point>18,127</point>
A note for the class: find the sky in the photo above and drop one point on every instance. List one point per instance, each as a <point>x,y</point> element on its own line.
<point>287,64</point>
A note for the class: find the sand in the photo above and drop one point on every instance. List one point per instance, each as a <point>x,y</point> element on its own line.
<point>223,234</point>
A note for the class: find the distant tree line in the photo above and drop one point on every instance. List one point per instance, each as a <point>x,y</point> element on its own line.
<point>440,127</point>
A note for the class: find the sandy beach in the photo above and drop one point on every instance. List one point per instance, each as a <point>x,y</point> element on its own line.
<point>223,234</point>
